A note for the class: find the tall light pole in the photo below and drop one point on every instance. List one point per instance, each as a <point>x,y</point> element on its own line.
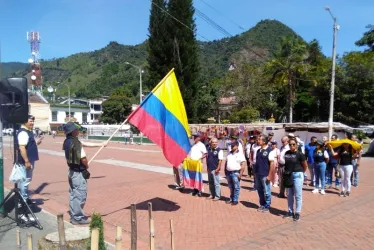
<point>140,81</point>
<point>332,89</point>
<point>140,91</point>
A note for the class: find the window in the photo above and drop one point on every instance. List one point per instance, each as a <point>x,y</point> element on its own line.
<point>92,116</point>
<point>84,117</point>
<point>54,116</point>
<point>97,107</point>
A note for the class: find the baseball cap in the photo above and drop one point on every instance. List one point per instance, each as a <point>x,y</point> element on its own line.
<point>274,142</point>
<point>291,135</point>
<point>271,134</point>
<point>197,134</point>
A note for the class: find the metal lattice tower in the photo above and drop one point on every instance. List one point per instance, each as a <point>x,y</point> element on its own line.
<point>33,38</point>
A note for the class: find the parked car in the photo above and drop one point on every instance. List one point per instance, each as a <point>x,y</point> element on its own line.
<point>7,131</point>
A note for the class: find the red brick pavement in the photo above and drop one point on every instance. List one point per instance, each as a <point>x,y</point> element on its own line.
<point>327,222</point>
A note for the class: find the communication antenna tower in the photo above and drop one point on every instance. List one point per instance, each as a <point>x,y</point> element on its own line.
<point>33,37</point>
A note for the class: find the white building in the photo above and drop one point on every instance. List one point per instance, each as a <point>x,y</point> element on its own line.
<point>81,111</point>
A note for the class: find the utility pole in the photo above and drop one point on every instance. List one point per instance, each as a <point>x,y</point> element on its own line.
<point>332,89</point>
<point>140,91</point>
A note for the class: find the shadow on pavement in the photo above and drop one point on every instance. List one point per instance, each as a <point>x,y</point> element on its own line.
<point>158,204</point>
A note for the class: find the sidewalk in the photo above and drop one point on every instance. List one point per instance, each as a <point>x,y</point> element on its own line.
<point>8,227</point>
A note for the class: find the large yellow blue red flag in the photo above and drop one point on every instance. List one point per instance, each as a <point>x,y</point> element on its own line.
<point>162,118</point>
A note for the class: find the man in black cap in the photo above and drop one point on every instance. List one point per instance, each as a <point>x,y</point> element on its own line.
<point>28,154</point>
<point>233,139</point>
<point>78,164</point>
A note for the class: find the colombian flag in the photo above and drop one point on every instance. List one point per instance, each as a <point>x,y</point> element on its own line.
<point>162,118</point>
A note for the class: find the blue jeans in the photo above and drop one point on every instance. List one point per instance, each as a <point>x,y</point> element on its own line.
<point>234,185</point>
<point>263,190</point>
<point>77,195</point>
<point>329,176</point>
<point>24,186</point>
<point>296,192</point>
<point>214,184</point>
<point>355,174</point>
<point>320,173</point>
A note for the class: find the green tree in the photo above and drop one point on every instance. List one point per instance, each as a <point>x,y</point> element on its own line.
<point>97,222</point>
<point>289,66</point>
<point>367,39</point>
<point>244,115</point>
<point>159,45</point>
<point>355,89</point>
<point>116,109</point>
<point>185,57</point>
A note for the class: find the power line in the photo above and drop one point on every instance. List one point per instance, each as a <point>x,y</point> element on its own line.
<point>176,19</point>
<point>210,6</point>
<point>212,23</point>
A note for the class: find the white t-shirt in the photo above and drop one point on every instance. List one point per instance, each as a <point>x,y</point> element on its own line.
<point>240,148</point>
<point>233,161</point>
<point>274,154</point>
<point>23,137</point>
<point>255,147</point>
<point>197,151</point>
<point>248,150</point>
<point>283,151</point>
<point>83,154</point>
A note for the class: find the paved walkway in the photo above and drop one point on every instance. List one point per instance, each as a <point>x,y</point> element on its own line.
<point>327,222</point>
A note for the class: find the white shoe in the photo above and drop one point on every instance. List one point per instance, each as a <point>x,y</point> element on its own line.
<point>323,192</point>
<point>315,191</point>
<point>275,185</point>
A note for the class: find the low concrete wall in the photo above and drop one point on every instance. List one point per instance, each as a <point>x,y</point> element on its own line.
<point>120,139</point>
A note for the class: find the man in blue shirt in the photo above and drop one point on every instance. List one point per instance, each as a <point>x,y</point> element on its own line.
<point>309,150</point>
<point>27,148</point>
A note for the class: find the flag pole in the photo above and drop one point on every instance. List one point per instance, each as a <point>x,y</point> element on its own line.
<point>93,157</point>
<point>123,123</point>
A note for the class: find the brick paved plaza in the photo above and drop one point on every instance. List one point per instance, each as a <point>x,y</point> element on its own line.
<point>126,174</point>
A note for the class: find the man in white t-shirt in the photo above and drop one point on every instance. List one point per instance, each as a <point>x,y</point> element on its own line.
<point>27,148</point>
<point>235,164</point>
<point>198,152</point>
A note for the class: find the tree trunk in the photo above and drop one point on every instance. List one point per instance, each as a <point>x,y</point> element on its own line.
<point>291,99</point>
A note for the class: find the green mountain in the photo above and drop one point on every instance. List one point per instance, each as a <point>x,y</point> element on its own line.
<point>11,68</point>
<point>99,72</point>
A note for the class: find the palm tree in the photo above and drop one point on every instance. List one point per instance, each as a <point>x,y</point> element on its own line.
<point>289,66</point>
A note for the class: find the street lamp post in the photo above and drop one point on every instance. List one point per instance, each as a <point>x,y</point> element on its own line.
<point>140,90</point>
<point>332,90</point>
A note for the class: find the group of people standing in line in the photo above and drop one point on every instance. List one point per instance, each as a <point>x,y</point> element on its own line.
<point>286,168</point>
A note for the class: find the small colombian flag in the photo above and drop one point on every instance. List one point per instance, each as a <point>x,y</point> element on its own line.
<point>162,118</point>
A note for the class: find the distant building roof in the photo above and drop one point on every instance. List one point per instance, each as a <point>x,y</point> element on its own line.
<point>227,100</point>
<point>35,97</point>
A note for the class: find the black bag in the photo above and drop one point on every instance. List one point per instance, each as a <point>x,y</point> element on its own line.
<point>86,174</point>
<point>287,179</point>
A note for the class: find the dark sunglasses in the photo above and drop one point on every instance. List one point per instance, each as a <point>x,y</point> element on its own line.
<point>292,144</point>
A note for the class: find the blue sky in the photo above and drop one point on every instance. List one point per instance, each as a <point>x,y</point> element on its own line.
<point>72,26</point>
